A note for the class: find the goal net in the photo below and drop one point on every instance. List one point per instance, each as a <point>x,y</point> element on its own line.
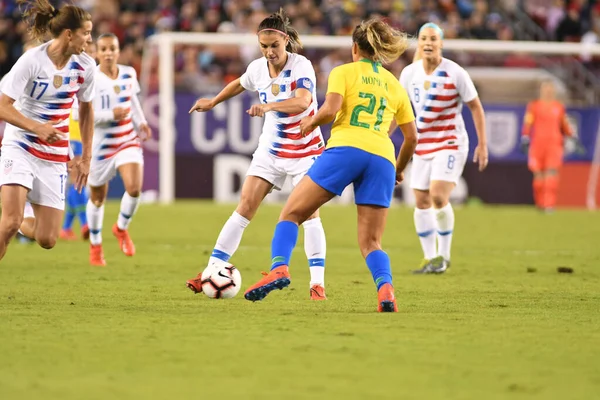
<point>205,155</point>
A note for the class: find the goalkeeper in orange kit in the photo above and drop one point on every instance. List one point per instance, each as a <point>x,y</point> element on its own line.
<point>544,129</point>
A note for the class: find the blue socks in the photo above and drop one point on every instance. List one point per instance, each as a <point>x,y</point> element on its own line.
<point>379,265</point>
<point>284,241</point>
<point>76,205</point>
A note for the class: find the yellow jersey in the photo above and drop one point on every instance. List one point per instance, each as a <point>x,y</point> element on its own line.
<point>372,98</point>
<point>74,133</point>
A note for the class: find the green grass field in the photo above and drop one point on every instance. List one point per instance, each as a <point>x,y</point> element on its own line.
<point>486,330</point>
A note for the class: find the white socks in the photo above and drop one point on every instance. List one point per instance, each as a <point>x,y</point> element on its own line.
<point>314,244</point>
<point>95,216</point>
<point>426,226</point>
<point>445,226</point>
<point>229,239</point>
<point>129,206</point>
<point>315,248</point>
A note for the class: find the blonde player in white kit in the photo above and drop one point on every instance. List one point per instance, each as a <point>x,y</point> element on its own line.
<point>36,102</point>
<point>285,82</point>
<point>120,126</point>
<point>437,88</point>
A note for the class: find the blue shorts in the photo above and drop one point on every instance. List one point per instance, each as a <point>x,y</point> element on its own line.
<point>77,148</point>
<point>373,176</point>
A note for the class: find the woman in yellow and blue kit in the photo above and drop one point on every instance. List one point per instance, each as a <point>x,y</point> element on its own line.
<point>364,98</point>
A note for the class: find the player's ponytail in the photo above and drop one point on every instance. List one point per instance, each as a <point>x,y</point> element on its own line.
<point>279,22</point>
<point>380,41</point>
<point>43,18</point>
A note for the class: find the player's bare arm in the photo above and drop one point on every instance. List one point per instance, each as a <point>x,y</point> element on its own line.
<point>139,120</point>
<point>481,153</point>
<point>325,115</point>
<point>10,114</point>
<point>295,105</point>
<point>231,90</point>
<point>86,124</point>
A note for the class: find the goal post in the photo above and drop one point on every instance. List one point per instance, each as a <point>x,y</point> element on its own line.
<point>165,44</point>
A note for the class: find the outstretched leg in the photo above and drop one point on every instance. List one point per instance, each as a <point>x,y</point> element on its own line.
<point>305,199</point>
<point>254,190</point>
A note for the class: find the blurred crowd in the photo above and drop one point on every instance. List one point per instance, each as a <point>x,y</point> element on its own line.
<point>210,66</point>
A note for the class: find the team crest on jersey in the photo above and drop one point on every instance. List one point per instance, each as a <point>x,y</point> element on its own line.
<point>275,89</point>
<point>73,78</point>
<point>427,85</point>
<point>117,89</point>
<point>58,81</point>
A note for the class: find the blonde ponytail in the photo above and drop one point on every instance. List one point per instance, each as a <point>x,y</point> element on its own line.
<point>380,41</point>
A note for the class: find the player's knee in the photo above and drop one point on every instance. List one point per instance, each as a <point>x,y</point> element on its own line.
<point>97,202</point>
<point>297,216</point>
<point>247,207</point>
<point>11,224</point>
<point>423,202</point>
<point>439,200</point>
<point>134,191</point>
<point>46,241</point>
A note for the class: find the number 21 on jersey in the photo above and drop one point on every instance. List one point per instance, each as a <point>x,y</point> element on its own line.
<point>369,109</point>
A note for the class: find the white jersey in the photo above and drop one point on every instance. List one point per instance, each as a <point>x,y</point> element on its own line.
<point>281,132</point>
<point>112,136</point>
<point>45,94</point>
<point>438,100</point>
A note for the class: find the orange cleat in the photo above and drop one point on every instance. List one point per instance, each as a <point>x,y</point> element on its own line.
<point>67,234</point>
<point>85,232</point>
<point>317,292</point>
<point>195,285</point>
<point>125,243</point>
<point>386,299</point>
<point>278,278</point>
<point>97,256</point>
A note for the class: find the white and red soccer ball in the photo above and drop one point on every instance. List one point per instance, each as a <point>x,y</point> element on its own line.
<point>221,281</point>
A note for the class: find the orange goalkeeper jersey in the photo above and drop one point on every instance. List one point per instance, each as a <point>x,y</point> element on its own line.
<point>546,122</point>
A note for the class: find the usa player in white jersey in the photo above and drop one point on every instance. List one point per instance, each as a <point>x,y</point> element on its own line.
<point>120,126</point>
<point>35,102</point>
<point>285,82</point>
<point>437,88</point>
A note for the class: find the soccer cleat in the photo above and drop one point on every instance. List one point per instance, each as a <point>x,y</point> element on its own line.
<point>85,232</point>
<point>426,267</point>
<point>97,256</point>
<point>195,285</point>
<point>317,292</point>
<point>439,265</point>
<point>67,234</point>
<point>386,301</point>
<point>278,278</point>
<point>125,243</point>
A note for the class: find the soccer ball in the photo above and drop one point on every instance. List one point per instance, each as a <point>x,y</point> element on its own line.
<point>221,281</point>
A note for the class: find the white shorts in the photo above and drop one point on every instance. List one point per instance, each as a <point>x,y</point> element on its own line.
<point>446,165</point>
<point>102,171</point>
<point>45,180</point>
<point>275,170</point>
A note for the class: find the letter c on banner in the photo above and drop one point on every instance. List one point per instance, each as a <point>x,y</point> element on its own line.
<point>198,131</point>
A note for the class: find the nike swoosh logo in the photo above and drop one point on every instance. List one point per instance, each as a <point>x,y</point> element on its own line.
<point>220,273</point>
